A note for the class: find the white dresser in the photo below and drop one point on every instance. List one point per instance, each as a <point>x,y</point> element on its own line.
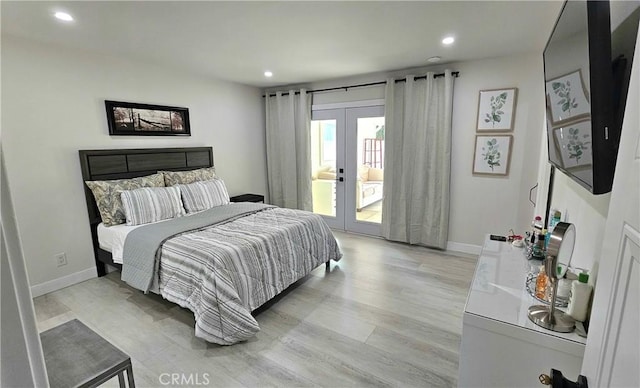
<point>500,346</point>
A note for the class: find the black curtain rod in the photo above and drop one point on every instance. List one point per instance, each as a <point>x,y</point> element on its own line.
<point>453,73</point>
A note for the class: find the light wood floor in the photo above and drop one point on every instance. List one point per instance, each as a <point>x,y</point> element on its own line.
<point>387,314</point>
<point>371,213</point>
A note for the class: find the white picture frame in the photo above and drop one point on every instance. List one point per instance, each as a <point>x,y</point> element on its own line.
<point>574,144</point>
<point>567,99</point>
<point>496,110</point>
<point>492,155</point>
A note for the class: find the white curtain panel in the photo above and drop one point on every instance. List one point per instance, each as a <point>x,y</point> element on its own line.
<point>288,118</point>
<point>417,160</point>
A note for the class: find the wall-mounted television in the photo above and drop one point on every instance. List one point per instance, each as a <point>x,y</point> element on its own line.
<point>587,67</point>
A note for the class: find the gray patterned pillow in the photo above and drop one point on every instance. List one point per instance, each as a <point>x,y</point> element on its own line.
<point>107,195</point>
<point>172,178</point>
<point>204,195</point>
<point>151,204</point>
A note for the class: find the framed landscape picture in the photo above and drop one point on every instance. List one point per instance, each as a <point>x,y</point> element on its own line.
<point>496,110</point>
<point>492,154</point>
<point>567,99</point>
<point>132,119</point>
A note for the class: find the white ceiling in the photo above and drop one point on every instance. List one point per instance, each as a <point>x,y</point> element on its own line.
<point>298,41</point>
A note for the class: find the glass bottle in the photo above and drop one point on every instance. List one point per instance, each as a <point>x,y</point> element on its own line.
<point>541,284</point>
<point>552,224</point>
<point>540,240</point>
<point>536,227</point>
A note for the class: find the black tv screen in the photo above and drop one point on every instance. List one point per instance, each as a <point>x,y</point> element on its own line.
<point>585,87</point>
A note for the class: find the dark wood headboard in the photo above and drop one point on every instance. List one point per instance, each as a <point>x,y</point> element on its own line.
<point>132,163</point>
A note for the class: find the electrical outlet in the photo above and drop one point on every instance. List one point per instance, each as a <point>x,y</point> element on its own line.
<point>61,259</point>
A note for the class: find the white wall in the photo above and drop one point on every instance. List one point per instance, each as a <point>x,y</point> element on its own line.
<point>479,205</point>
<point>578,206</point>
<point>53,106</point>
<point>482,205</point>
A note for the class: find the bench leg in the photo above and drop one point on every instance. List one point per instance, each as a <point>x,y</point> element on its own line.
<point>132,384</point>
<point>121,380</point>
<point>327,265</point>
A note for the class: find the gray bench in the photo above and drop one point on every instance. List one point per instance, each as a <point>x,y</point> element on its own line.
<point>78,357</point>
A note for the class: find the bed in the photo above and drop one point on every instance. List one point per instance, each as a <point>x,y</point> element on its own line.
<point>222,262</point>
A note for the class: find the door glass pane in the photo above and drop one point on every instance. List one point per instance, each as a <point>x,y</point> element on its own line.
<point>323,166</point>
<point>370,161</point>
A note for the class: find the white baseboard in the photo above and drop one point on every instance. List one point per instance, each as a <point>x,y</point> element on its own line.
<point>65,281</point>
<point>464,248</point>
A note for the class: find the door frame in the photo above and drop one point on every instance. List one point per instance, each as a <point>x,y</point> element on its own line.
<point>346,115</point>
<point>613,329</point>
<point>351,166</point>
<point>336,222</point>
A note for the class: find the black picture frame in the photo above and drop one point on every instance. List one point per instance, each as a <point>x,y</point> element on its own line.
<point>133,119</point>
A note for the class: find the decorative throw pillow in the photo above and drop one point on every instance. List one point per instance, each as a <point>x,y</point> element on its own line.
<point>172,178</point>
<point>151,204</point>
<point>326,175</point>
<point>107,195</point>
<point>363,172</point>
<point>204,195</point>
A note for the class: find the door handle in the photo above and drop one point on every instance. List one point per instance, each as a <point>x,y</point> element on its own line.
<point>530,192</point>
<point>557,380</point>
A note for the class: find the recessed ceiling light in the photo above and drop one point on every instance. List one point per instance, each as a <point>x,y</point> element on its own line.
<point>434,59</point>
<point>448,40</point>
<point>63,16</point>
<point>268,74</point>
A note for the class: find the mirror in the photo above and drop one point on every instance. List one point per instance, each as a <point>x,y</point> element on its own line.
<point>559,252</point>
<point>561,244</point>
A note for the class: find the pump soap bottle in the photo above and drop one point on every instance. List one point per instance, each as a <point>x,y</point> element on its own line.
<point>579,299</point>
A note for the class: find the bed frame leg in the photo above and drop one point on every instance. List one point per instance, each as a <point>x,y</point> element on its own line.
<point>101,268</point>
<point>327,265</point>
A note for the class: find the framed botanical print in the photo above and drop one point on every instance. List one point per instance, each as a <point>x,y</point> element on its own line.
<point>492,154</point>
<point>567,99</point>
<point>573,143</point>
<point>496,110</point>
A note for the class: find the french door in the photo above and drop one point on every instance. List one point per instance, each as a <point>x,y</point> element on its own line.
<point>347,158</point>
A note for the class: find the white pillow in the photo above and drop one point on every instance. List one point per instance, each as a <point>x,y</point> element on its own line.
<point>151,204</point>
<point>203,195</point>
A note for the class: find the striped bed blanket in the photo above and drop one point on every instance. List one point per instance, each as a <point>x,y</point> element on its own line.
<point>225,271</point>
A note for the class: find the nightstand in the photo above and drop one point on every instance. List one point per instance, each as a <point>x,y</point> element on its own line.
<point>248,198</point>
